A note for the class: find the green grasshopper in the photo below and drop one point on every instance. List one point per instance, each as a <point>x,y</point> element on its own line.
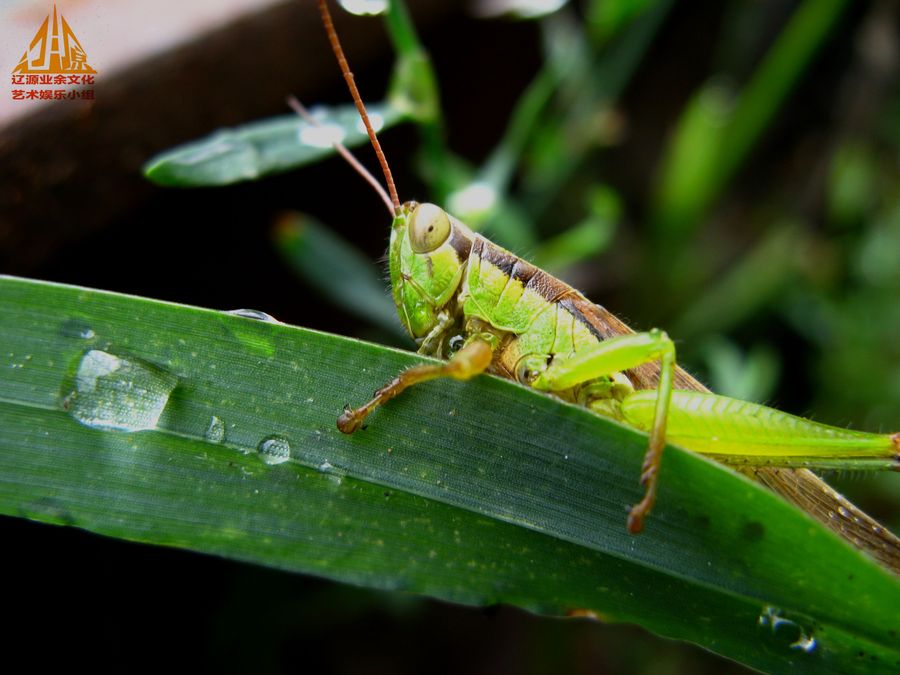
<point>464,299</point>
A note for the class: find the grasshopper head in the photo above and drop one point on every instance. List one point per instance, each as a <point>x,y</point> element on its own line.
<point>427,257</point>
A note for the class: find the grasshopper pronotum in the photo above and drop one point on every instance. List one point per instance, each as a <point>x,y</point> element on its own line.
<point>467,300</point>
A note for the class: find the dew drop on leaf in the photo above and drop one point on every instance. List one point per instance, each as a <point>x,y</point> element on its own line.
<point>274,450</point>
<point>115,393</point>
<point>215,432</point>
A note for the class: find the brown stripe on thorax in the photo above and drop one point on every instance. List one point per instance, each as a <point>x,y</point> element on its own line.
<point>547,286</point>
<point>603,325</point>
<point>496,256</point>
<point>461,239</point>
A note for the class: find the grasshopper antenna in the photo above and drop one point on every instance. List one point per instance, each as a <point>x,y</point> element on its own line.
<point>354,92</point>
<point>298,108</point>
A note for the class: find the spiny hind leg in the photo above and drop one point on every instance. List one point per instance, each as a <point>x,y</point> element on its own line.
<point>607,358</point>
<point>744,433</point>
<point>473,359</point>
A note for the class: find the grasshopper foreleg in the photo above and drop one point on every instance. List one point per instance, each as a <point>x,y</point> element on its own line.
<point>607,358</point>
<point>471,360</point>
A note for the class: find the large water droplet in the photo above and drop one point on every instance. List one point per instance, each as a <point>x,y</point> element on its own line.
<point>274,450</point>
<point>215,432</point>
<point>119,394</point>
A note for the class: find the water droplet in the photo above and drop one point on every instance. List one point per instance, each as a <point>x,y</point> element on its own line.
<point>333,473</point>
<point>771,616</point>
<point>787,629</point>
<point>115,393</point>
<point>274,450</point>
<point>215,432</point>
<point>254,314</point>
<point>806,643</point>
<point>76,328</point>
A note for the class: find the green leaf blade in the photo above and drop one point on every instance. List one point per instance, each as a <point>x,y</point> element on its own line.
<point>476,492</point>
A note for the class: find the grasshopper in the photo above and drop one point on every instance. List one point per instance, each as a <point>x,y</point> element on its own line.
<point>482,309</point>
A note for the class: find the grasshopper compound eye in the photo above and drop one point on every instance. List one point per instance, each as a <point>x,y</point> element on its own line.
<point>429,227</point>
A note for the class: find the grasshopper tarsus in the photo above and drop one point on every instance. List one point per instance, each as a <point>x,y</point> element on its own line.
<point>649,478</point>
<point>636,518</point>
<point>349,421</point>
